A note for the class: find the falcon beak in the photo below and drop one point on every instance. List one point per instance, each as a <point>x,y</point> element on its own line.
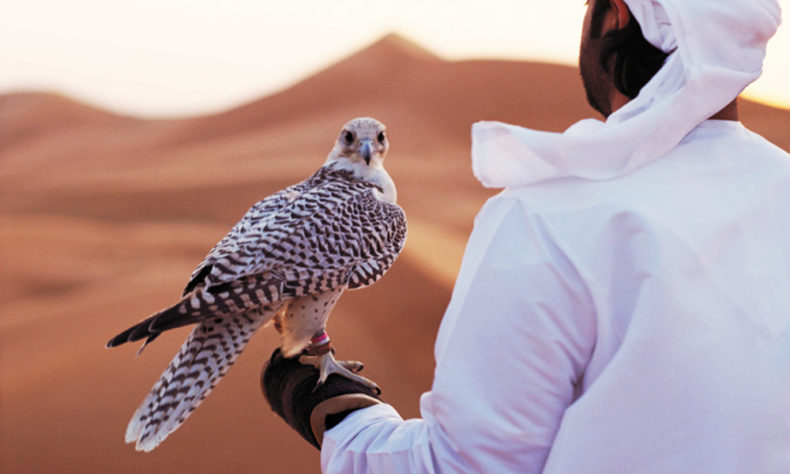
<point>366,150</point>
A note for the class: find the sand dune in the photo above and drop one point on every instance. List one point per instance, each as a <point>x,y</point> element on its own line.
<point>103,217</point>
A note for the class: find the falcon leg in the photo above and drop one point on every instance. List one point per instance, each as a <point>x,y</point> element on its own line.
<point>320,355</point>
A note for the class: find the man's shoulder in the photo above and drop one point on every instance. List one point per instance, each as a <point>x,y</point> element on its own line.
<point>729,150</point>
<point>732,136</point>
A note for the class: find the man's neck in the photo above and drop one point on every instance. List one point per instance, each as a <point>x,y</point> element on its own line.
<point>729,112</point>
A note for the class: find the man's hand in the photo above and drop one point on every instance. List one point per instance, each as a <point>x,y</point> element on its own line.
<point>290,388</point>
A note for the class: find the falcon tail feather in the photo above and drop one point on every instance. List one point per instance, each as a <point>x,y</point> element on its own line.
<point>201,362</point>
<point>211,302</point>
<point>150,327</point>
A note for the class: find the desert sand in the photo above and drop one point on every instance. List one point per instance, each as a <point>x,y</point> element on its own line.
<point>103,217</point>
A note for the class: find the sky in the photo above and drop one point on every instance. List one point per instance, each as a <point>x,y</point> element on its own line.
<point>164,58</point>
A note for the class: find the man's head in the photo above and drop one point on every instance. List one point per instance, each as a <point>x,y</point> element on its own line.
<point>615,59</point>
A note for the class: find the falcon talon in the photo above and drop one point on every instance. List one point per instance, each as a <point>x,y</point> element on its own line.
<point>352,365</point>
<point>318,385</point>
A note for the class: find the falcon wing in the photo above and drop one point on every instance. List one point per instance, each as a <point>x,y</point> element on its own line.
<point>262,211</point>
<point>380,243</point>
<point>331,234</point>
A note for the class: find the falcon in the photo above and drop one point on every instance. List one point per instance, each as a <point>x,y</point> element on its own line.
<point>288,260</point>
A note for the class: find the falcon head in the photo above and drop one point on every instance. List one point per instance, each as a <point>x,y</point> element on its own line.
<point>362,140</point>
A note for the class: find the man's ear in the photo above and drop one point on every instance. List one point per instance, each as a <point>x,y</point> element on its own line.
<point>622,12</point>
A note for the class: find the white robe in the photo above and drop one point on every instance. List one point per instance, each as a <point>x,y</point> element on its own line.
<point>636,324</point>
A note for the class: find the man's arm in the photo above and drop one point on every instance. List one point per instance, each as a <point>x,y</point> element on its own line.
<point>514,341</point>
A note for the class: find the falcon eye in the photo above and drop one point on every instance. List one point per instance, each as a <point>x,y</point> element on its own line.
<point>349,137</point>
<point>381,137</point>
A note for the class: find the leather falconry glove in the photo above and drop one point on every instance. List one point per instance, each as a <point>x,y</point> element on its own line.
<point>291,389</point>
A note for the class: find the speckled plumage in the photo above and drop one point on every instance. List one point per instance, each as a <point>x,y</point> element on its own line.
<point>289,258</point>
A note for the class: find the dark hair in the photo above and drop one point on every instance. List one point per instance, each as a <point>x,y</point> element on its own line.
<point>625,53</point>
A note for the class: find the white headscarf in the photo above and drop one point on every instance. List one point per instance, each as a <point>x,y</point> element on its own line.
<point>719,46</point>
